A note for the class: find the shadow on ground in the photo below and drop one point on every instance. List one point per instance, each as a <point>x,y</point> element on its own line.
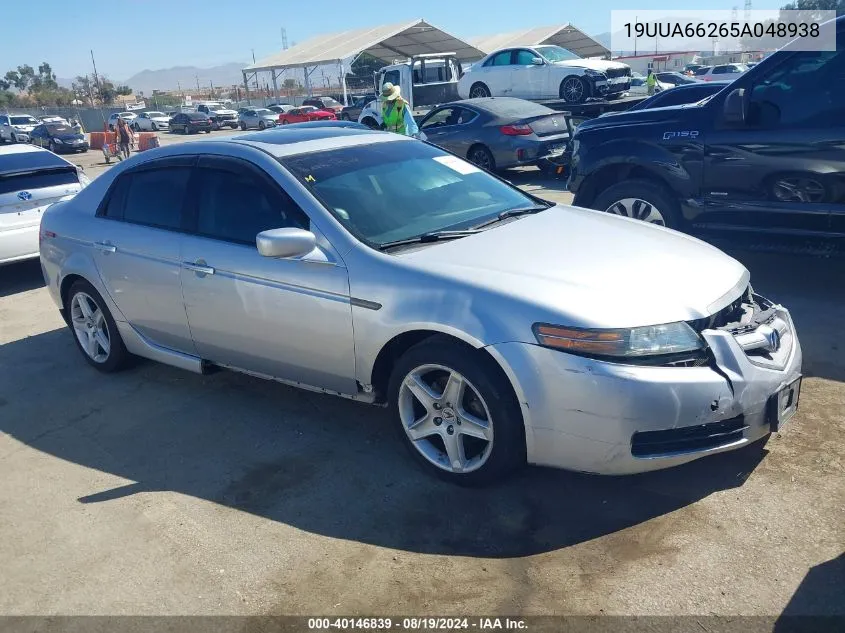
<point>318,463</point>
<point>15,278</point>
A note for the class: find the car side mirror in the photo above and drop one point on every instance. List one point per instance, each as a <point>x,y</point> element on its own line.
<point>537,61</point>
<point>735,109</point>
<point>285,243</point>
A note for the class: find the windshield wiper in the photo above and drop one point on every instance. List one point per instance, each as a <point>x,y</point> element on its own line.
<point>512,213</point>
<point>433,236</point>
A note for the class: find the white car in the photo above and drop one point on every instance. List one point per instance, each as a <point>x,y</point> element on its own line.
<point>151,121</point>
<point>640,88</point>
<point>31,179</point>
<point>722,72</point>
<point>16,128</point>
<point>129,117</point>
<point>544,72</point>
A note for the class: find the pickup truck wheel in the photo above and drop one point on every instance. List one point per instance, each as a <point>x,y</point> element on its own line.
<point>641,200</point>
<point>574,89</point>
<point>478,91</point>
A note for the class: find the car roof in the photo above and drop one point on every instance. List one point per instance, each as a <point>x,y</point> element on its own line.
<point>288,141</point>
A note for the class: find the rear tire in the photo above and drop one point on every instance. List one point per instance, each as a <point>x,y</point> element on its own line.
<point>84,306</point>
<point>261,125</point>
<point>640,199</point>
<point>243,127</point>
<point>479,91</point>
<point>483,395</point>
<point>481,156</point>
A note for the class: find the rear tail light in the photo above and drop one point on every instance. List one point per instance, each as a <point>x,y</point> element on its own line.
<point>516,130</point>
<point>45,235</point>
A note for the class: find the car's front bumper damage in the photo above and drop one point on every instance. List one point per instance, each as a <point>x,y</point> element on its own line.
<point>608,418</point>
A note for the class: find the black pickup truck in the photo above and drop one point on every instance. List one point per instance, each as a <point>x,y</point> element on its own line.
<point>766,154</point>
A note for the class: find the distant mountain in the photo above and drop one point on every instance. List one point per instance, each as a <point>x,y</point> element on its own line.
<point>603,39</point>
<point>187,76</point>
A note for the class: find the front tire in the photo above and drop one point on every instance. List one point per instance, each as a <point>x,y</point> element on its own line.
<point>243,127</point>
<point>94,329</point>
<point>261,125</point>
<point>574,89</point>
<point>479,91</point>
<point>641,200</point>
<point>51,147</point>
<point>154,127</point>
<point>456,413</point>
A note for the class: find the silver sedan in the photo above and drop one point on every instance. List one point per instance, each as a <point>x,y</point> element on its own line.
<point>260,118</point>
<point>498,329</point>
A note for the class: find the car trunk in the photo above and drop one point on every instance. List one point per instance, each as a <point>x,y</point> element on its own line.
<point>25,194</point>
<point>550,125</point>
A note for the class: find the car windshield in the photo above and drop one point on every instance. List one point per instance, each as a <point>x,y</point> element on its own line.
<point>556,53</point>
<point>328,101</point>
<point>307,109</point>
<point>197,116</point>
<point>401,190</point>
<point>150,115</point>
<point>23,120</point>
<point>263,112</point>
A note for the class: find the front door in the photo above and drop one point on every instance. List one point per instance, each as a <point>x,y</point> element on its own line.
<point>136,241</point>
<point>445,128</point>
<point>285,318</point>
<point>529,79</point>
<point>784,168</point>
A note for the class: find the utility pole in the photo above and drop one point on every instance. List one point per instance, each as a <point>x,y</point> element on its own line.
<point>96,77</point>
<point>197,77</point>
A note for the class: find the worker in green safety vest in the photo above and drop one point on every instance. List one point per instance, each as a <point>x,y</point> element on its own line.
<point>650,82</point>
<point>396,112</point>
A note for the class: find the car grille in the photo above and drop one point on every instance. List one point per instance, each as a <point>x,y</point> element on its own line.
<point>226,117</point>
<point>613,73</point>
<point>729,314</point>
<point>688,439</point>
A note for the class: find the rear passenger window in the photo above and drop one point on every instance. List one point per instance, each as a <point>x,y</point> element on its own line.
<point>236,206</point>
<point>155,197</point>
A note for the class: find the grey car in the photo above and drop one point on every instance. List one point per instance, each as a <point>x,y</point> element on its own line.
<point>257,118</point>
<point>498,132</point>
<point>499,329</point>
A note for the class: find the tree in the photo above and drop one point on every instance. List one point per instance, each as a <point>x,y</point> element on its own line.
<point>107,92</point>
<point>816,5</point>
<point>22,77</point>
<point>123,90</point>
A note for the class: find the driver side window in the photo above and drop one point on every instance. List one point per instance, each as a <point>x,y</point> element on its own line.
<point>806,91</point>
<point>439,118</point>
<point>502,59</point>
<point>524,57</point>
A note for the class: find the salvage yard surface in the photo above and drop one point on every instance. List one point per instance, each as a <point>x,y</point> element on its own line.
<point>157,491</point>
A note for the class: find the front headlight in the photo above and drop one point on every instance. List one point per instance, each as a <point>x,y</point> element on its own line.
<point>58,141</point>
<point>593,73</point>
<point>638,342</point>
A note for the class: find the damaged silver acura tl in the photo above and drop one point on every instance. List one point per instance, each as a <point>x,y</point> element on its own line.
<point>498,328</point>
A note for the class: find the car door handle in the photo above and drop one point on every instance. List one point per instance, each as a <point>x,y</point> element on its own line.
<point>199,268</point>
<point>105,247</point>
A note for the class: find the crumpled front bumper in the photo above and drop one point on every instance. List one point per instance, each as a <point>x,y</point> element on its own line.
<point>582,414</point>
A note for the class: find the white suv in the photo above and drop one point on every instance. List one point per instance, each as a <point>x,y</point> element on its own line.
<point>129,117</point>
<point>16,127</point>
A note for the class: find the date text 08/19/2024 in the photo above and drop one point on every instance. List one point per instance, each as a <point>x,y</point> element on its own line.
<point>416,624</point>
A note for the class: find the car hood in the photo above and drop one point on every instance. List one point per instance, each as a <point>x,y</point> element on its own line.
<point>224,112</point>
<point>68,136</point>
<point>160,119</point>
<point>590,269</point>
<point>593,64</point>
<point>666,114</point>
<point>24,128</point>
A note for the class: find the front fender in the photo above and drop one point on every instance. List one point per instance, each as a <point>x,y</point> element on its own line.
<point>370,112</point>
<point>676,165</point>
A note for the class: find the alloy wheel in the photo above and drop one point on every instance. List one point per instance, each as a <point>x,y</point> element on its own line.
<point>446,418</point>
<point>573,90</point>
<point>638,209</point>
<point>90,327</point>
<point>478,92</point>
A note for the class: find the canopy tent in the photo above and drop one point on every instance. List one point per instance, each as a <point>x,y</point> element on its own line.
<point>386,43</point>
<point>566,36</point>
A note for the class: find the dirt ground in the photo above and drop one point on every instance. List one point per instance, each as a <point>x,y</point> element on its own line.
<point>157,491</point>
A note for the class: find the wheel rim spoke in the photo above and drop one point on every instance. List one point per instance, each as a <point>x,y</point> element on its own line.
<point>474,426</point>
<point>102,341</point>
<point>84,307</point>
<point>637,209</point>
<point>91,346</point>
<point>421,390</point>
<point>453,392</point>
<point>455,451</point>
<point>422,428</point>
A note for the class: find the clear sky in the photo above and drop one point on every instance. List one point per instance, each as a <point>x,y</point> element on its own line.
<point>130,35</point>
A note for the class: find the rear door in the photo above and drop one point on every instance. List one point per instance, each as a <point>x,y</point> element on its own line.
<point>784,169</point>
<point>137,240</point>
<point>496,74</point>
<point>30,181</point>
